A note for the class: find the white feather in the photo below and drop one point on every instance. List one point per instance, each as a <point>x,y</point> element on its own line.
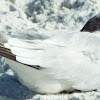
<point>71,60</point>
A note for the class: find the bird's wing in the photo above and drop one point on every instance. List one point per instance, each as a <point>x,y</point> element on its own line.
<point>75,58</point>
<point>32,52</point>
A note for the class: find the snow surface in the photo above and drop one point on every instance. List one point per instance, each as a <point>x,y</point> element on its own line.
<point>19,15</point>
<point>64,14</point>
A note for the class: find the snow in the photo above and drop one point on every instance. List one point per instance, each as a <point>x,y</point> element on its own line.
<point>19,15</point>
<point>63,14</point>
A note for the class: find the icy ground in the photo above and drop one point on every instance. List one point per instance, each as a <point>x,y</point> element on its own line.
<point>16,15</point>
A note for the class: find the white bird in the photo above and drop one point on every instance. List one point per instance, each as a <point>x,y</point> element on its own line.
<point>68,61</point>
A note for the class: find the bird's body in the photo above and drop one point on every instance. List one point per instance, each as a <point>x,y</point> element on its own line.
<point>67,61</point>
